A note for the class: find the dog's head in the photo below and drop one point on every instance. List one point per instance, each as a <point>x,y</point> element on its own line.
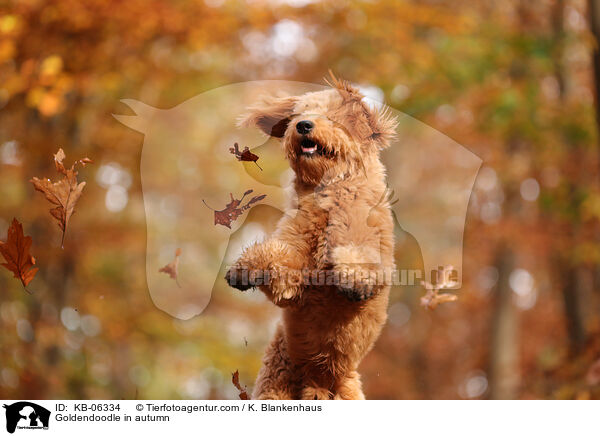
<point>326,131</point>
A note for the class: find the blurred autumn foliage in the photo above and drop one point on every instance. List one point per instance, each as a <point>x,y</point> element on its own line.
<point>512,81</point>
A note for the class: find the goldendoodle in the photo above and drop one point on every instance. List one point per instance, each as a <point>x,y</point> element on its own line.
<point>323,264</point>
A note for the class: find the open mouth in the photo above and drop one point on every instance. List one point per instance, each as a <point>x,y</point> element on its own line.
<point>310,147</point>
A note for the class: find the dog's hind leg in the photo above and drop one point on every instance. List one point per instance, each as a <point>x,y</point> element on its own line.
<point>316,393</point>
<point>275,379</point>
<point>349,388</point>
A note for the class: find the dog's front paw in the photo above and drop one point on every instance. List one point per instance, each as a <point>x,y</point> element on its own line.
<point>356,283</point>
<point>243,278</point>
<point>357,291</point>
<point>285,284</point>
<point>355,271</point>
<point>235,278</point>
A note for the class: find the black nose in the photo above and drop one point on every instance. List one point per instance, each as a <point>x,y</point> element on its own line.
<point>304,127</point>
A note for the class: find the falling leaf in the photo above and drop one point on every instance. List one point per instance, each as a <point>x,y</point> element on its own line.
<point>235,379</point>
<point>233,210</point>
<point>432,297</point>
<point>64,193</point>
<point>593,375</point>
<point>16,253</point>
<point>172,268</point>
<point>245,155</point>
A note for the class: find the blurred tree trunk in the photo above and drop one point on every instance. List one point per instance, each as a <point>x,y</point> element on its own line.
<point>594,13</point>
<point>594,19</point>
<point>571,291</point>
<point>504,351</point>
<point>558,13</point>
<point>568,272</point>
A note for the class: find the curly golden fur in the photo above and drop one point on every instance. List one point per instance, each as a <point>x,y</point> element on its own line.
<point>341,223</point>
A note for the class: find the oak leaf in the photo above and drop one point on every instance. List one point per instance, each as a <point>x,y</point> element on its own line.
<point>245,155</point>
<point>233,209</point>
<point>433,297</point>
<point>64,193</point>
<point>16,253</point>
<point>172,269</point>
<point>235,379</point>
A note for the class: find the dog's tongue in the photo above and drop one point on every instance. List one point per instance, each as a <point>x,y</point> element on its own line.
<point>308,146</point>
<point>309,149</point>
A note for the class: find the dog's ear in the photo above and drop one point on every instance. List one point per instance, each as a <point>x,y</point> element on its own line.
<point>348,91</point>
<point>271,115</point>
<point>383,124</point>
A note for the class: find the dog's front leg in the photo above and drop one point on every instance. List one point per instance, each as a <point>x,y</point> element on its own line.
<point>360,249</point>
<point>273,266</point>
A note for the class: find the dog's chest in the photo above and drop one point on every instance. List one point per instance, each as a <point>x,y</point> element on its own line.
<point>321,213</point>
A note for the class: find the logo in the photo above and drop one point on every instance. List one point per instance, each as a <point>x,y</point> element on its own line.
<point>430,176</point>
<point>26,415</point>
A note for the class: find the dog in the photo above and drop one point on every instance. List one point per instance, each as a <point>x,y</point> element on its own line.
<point>323,263</point>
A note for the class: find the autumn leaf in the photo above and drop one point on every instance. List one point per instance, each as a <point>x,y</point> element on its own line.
<point>433,297</point>
<point>233,209</point>
<point>245,155</point>
<point>16,253</point>
<point>593,374</point>
<point>235,379</point>
<point>64,193</point>
<point>172,268</point>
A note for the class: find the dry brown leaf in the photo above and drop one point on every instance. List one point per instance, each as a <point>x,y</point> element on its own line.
<point>245,155</point>
<point>16,253</point>
<point>64,193</point>
<point>235,379</point>
<point>432,297</point>
<point>233,209</point>
<point>172,268</point>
